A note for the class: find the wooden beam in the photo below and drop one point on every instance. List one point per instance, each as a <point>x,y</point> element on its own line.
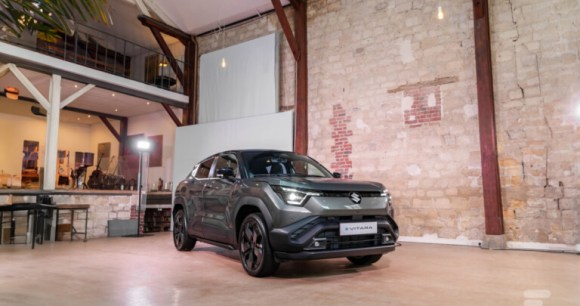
<point>168,54</point>
<point>123,130</point>
<point>298,45</point>
<point>164,28</point>
<point>294,3</point>
<point>190,85</point>
<point>188,76</point>
<point>301,108</point>
<point>76,95</point>
<point>171,114</point>
<point>487,135</point>
<point>31,88</point>
<point>111,128</point>
<point>286,27</point>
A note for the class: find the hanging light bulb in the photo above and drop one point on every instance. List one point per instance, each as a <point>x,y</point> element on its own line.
<point>224,64</point>
<point>440,14</point>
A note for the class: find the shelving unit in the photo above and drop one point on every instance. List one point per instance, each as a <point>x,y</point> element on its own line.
<point>158,212</point>
<point>157,219</point>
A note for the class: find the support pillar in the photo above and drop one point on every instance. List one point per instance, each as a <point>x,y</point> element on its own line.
<point>298,44</point>
<point>487,135</point>
<point>53,122</point>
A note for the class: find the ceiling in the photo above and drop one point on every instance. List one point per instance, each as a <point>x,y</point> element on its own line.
<point>199,16</point>
<point>97,100</point>
<point>191,16</point>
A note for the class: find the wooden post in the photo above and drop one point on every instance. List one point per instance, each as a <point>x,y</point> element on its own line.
<point>187,78</point>
<point>298,45</point>
<point>487,136</point>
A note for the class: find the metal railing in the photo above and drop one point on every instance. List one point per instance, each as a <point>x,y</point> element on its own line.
<point>105,52</point>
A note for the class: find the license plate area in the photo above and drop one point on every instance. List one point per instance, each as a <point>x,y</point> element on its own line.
<point>358,228</point>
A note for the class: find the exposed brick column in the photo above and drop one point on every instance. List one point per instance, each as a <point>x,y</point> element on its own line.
<point>342,149</point>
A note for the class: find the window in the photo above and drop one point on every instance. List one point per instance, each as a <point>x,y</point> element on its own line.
<point>282,164</point>
<point>203,169</point>
<point>226,160</point>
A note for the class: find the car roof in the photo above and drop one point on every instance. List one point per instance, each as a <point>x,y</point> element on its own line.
<point>255,150</point>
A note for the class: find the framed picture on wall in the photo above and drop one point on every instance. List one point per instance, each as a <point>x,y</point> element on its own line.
<point>30,150</point>
<point>156,155</point>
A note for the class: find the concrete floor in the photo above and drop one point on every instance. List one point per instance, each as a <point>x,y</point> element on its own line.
<point>149,271</point>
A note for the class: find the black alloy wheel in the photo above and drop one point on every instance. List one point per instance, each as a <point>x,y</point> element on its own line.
<point>181,239</point>
<point>255,252</point>
<point>365,260</point>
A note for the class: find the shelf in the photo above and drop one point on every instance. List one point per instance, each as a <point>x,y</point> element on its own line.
<point>157,219</point>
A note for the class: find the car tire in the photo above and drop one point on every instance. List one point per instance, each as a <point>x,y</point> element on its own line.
<point>364,260</point>
<point>254,245</point>
<point>181,239</point>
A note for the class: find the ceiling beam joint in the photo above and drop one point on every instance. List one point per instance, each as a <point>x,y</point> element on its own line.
<point>279,9</point>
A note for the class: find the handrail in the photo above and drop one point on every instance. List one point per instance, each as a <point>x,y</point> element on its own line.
<point>106,52</point>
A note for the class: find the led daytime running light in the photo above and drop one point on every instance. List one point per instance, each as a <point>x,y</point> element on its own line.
<point>294,196</point>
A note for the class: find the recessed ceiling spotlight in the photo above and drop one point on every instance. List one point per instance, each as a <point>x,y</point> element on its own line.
<point>11,93</point>
<point>116,110</point>
<point>148,103</point>
<point>113,94</point>
<point>76,86</point>
<point>78,119</point>
<point>88,116</point>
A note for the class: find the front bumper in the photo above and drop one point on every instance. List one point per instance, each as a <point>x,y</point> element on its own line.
<point>318,237</point>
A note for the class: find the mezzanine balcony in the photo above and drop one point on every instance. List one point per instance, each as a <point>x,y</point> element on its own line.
<point>102,51</point>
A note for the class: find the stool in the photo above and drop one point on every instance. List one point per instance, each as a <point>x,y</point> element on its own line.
<point>72,208</point>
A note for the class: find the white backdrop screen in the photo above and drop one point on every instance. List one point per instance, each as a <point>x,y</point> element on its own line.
<point>246,86</point>
<point>193,143</point>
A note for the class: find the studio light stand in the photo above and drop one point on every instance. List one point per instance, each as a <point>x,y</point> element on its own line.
<point>143,146</point>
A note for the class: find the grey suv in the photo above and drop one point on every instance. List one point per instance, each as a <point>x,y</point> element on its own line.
<point>274,206</point>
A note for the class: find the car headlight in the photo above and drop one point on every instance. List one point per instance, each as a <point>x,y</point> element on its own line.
<point>294,196</point>
<point>387,194</point>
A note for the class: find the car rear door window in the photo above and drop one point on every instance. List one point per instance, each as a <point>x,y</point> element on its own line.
<point>203,169</point>
<point>226,161</point>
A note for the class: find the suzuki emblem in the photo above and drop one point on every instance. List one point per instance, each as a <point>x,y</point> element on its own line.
<point>355,197</point>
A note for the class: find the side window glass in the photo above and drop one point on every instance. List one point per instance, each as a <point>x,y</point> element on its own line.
<point>227,160</point>
<point>203,169</point>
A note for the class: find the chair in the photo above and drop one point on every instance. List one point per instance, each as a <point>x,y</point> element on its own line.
<point>277,168</point>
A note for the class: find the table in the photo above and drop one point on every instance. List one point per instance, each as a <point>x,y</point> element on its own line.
<point>31,208</point>
<point>72,208</point>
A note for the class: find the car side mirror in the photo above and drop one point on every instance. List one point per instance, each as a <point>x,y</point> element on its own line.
<point>226,173</point>
<point>336,175</point>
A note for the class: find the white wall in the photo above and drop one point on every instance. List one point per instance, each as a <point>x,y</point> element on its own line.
<point>15,129</point>
<point>101,134</point>
<point>158,123</point>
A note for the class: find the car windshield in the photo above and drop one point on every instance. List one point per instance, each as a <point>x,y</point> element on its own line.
<point>273,163</point>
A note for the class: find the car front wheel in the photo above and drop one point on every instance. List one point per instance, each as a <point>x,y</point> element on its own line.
<point>181,239</point>
<point>255,252</point>
<point>365,260</point>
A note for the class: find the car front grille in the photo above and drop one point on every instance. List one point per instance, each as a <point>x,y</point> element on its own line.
<point>327,228</point>
<point>346,194</point>
<point>336,242</point>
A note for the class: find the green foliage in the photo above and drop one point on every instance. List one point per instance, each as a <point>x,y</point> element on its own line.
<point>49,16</point>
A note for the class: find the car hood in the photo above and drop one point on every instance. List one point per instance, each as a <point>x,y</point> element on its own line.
<point>324,184</point>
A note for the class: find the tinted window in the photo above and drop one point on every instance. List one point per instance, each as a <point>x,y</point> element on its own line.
<point>226,160</point>
<point>267,163</point>
<point>203,169</point>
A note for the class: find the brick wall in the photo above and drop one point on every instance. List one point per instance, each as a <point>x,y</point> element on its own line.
<point>392,98</point>
<point>537,88</point>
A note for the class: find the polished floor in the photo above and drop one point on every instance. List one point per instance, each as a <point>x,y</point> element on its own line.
<point>149,271</point>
